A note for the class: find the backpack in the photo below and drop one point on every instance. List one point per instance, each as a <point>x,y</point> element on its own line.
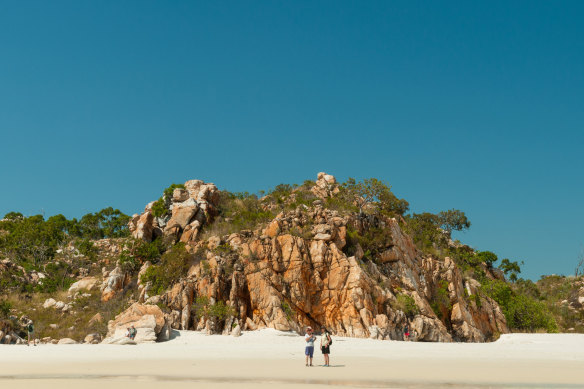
<point>30,328</point>
<point>330,340</point>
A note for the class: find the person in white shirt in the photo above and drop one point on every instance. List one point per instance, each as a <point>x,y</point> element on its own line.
<point>309,350</point>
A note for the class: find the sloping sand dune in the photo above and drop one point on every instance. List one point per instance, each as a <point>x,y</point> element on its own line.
<point>269,358</point>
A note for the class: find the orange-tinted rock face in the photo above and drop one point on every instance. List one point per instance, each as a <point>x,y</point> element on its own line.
<point>287,282</point>
<point>277,277</point>
<point>115,283</point>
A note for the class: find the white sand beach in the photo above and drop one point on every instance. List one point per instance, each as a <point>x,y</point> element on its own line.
<point>269,358</point>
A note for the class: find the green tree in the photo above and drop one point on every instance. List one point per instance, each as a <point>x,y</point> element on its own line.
<point>29,239</point>
<point>453,220</point>
<point>13,216</point>
<point>488,257</point>
<point>107,223</point>
<point>511,269</point>
<point>423,228</point>
<point>375,194</point>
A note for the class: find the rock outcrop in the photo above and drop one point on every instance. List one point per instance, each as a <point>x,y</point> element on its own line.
<point>148,320</point>
<point>18,274</point>
<point>116,281</point>
<point>326,186</point>
<point>190,208</point>
<point>299,271</point>
<point>85,284</point>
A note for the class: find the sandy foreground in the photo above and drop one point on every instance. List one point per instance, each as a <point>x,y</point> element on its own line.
<point>269,358</point>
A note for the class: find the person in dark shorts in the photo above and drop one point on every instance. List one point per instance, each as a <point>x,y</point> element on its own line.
<point>325,346</point>
<point>309,350</point>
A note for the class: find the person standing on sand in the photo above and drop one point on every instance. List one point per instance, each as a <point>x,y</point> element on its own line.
<point>325,344</point>
<point>406,332</point>
<point>30,331</point>
<point>309,350</point>
<point>132,331</point>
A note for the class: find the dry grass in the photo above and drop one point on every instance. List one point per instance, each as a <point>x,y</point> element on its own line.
<point>73,324</point>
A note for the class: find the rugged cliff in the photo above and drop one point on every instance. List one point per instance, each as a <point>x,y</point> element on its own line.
<point>304,267</point>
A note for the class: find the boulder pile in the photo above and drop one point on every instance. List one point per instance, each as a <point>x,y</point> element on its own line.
<point>191,207</point>
<point>149,321</point>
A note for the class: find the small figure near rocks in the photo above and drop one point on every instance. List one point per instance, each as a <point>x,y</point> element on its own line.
<point>309,350</point>
<point>30,331</point>
<point>131,333</point>
<point>325,346</point>
<point>407,332</point>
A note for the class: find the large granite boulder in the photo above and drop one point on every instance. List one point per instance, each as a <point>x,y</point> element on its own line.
<point>148,320</point>
<point>116,281</point>
<point>85,284</point>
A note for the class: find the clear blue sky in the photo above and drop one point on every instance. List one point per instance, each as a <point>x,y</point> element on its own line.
<point>476,105</point>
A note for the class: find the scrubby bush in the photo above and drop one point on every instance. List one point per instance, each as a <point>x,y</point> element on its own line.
<point>59,276</point>
<point>236,212</point>
<point>374,196</point>
<point>527,314</point>
<point>523,312</point>
<point>407,305</point>
<point>440,301</point>
<point>138,251</point>
<point>218,312</point>
<point>287,310</point>
<point>373,241</point>
<point>5,308</point>
<point>86,248</point>
<point>424,230</point>
<point>281,192</point>
<point>172,266</point>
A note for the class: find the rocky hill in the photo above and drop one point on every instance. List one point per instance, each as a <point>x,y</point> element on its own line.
<point>296,271</point>
<point>343,257</point>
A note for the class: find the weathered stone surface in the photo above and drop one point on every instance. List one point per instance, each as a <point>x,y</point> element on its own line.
<point>180,298</point>
<point>50,302</point>
<point>142,226</point>
<point>326,186</point>
<point>94,338</point>
<point>180,195</point>
<point>182,213</point>
<point>97,318</point>
<point>115,282</point>
<point>85,284</point>
<point>147,319</point>
<point>122,340</point>
<point>273,229</point>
